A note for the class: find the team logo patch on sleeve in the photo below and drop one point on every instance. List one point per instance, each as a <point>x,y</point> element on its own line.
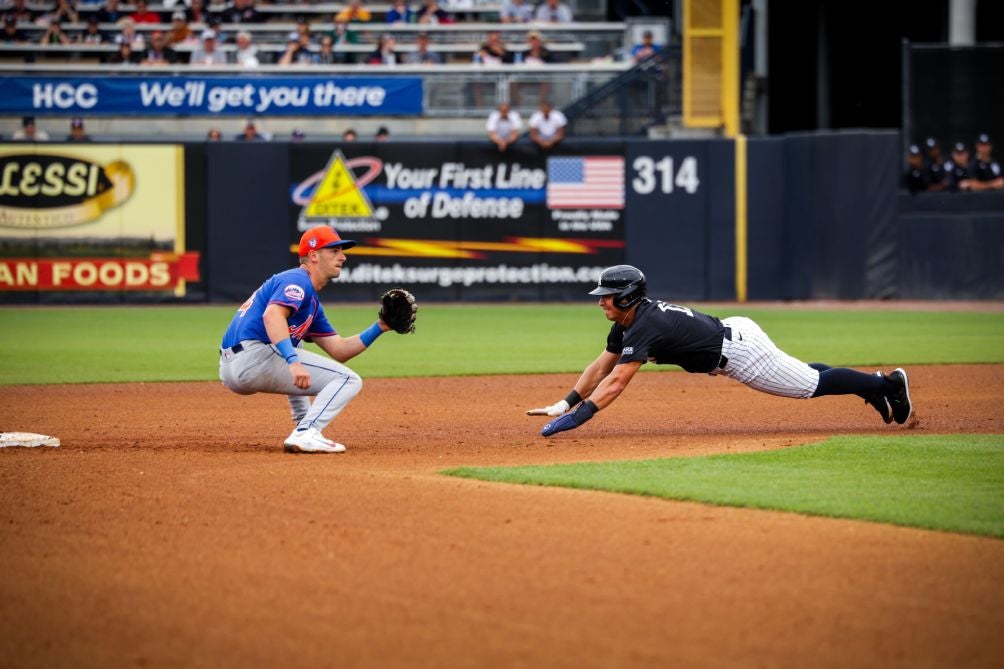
<point>293,292</point>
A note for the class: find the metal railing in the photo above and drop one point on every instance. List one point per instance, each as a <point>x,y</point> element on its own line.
<point>633,101</point>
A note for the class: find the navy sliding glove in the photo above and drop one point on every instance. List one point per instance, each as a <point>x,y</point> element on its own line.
<point>571,420</point>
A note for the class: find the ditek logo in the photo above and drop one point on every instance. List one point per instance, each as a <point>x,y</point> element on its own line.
<point>334,196</point>
<point>628,350</point>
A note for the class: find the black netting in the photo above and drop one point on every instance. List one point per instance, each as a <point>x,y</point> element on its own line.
<point>955,93</point>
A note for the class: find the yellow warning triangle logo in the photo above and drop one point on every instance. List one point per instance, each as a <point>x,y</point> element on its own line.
<point>337,195</point>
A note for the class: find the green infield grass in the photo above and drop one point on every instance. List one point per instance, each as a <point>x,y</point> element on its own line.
<point>940,482</point>
<point>176,343</point>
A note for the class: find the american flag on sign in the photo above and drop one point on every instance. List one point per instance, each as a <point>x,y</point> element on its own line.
<point>590,182</point>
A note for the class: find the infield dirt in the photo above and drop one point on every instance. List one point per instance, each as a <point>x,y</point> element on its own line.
<point>171,530</point>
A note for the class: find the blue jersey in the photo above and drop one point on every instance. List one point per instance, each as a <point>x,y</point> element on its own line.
<point>292,289</point>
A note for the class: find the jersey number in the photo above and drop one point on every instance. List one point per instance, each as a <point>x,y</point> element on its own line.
<point>666,306</point>
<point>243,309</point>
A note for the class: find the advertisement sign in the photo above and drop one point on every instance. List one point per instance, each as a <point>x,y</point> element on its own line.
<point>205,96</point>
<point>93,218</point>
<point>465,219</point>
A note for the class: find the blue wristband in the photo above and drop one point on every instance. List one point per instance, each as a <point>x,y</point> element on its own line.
<point>286,350</point>
<point>369,335</point>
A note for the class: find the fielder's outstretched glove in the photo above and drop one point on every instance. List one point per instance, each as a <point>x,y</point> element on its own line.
<point>398,310</point>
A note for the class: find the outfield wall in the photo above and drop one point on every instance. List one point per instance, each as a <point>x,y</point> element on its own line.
<point>461,221</point>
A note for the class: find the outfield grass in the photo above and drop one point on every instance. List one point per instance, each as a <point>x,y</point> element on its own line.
<point>105,344</point>
<point>939,482</point>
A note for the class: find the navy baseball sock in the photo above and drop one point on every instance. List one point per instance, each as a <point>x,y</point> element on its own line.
<point>843,381</point>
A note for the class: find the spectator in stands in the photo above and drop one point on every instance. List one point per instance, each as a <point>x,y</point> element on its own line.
<point>297,135</point>
<point>246,53</point>
<point>935,165</point>
<point>55,34</point>
<point>159,53</point>
<point>493,51</point>
<point>537,53</point>
<point>553,11</point>
<point>326,54</point>
<point>957,168</point>
<point>92,32</point>
<point>250,133</point>
<point>63,12</point>
<point>354,12</point>
<point>422,55</point>
<point>984,170</point>
<point>29,132</point>
<point>349,135</point>
<point>143,13</point>
<point>77,132</point>
<point>400,12</point>
<point>125,54</point>
<point>382,134</point>
<point>110,12</point>
<point>216,25</point>
<point>214,135</point>
<point>384,53</point>
<point>547,126</point>
<point>130,36</point>
<point>504,126</point>
<point>192,9</point>
<point>646,48</point>
<point>516,11</point>
<point>432,13</point>
<point>179,33</point>
<point>11,33</point>
<point>207,52</point>
<point>241,11</point>
<point>19,10</point>
<point>303,31</point>
<point>342,34</point>
<point>297,51</point>
<point>915,178</point>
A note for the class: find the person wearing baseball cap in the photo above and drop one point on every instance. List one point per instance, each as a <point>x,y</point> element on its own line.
<point>915,179</point>
<point>957,168</point>
<point>77,132</point>
<point>985,171</point>
<point>262,349</point>
<point>935,165</point>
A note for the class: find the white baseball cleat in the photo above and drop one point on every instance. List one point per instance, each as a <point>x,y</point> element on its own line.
<point>311,441</point>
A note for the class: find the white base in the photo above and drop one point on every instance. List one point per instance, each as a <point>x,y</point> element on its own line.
<point>28,439</point>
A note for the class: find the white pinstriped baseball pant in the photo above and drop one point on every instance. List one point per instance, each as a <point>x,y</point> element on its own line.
<point>755,360</point>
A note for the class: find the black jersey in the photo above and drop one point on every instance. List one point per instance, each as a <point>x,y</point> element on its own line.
<point>935,173</point>
<point>668,334</point>
<point>916,180</point>
<point>955,172</point>
<point>984,170</point>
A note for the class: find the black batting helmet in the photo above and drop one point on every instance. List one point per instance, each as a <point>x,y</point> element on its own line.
<point>624,281</point>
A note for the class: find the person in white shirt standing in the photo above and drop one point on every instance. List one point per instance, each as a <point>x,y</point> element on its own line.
<point>547,126</point>
<point>504,125</point>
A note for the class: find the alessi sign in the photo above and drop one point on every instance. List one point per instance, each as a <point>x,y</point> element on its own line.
<point>100,217</point>
<point>50,191</point>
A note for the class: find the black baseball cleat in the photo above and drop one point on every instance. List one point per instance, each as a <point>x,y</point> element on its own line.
<point>880,403</point>
<point>899,400</point>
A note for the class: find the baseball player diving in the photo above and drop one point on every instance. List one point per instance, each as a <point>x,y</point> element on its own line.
<point>665,333</point>
<point>262,351</point>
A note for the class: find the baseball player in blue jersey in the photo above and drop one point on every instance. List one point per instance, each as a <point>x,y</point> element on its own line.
<point>262,351</point>
<point>665,333</point>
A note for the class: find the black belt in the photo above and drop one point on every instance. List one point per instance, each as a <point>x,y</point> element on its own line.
<point>724,361</point>
<point>233,349</point>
